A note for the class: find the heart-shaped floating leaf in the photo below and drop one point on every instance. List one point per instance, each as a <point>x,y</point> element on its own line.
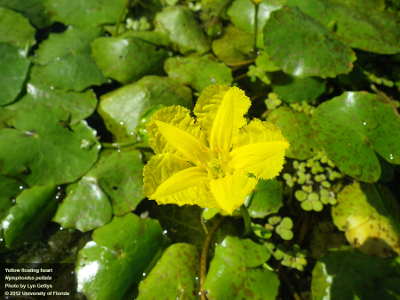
<point>127,59</point>
<point>198,72</point>
<point>13,71</point>
<point>31,9</point>
<point>354,275</point>
<point>242,13</point>
<point>306,50</point>
<point>235,264</point>
<point>119,175</point>
<point>15,29</point>
<point>34,208</point>
<point>369,219</point>
<point>366,26</point>
<point>183,29</point>
<point>119,254</point>
<point>85,207</point>
<point>79,105</point>
<point>235,45</point>
<point>89,13</point>
<point>351,127</point>
<point>267,198</point>
<point>180,264</point>
<point>121,108</point>
<point>10,188</point>
<point>297,128</point>
<point>43,149</point>
<point>291,89</point>
<point>63,60</point>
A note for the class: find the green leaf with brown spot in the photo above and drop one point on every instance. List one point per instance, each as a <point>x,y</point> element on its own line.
<point>121,251</point>
<point>352,127</point>
<point>180,264</point>
<point>198,72</point>
<point>302,47</point>
<point>363,25</point>
<point>237,264</point>
<point>297,128</point>
<point>121,108</point>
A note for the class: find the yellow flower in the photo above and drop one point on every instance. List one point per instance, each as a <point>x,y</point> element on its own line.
<point>256,2</point>
<point>207,161</point>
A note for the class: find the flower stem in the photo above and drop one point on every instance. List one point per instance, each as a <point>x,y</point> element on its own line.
<point>247,220</point>
<point>137,145</point>
<point>255,30</point>
<point>126,3</point>
<point>203,261</point>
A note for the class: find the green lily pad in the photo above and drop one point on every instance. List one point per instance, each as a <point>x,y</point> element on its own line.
<point>121,108</point>
<point>198,72</point>
<point>182,283</point>
<point>10,189</point>
<point>366,27</point>
<point>119,175</point>
<point>297,128</point>
<point>306,50</point>
<point>153,37</point>
<point>79,105</point>
<point>115,260</point>
<point>291,89</point>
<point>43,149</point>
<point>85,207</point>
<point>13,72</point>
<point>89,13</point>
<point>354,275</point>
<point>31,9</point>
<point>235,45</point>
<point>351,127</point>
<point>127,59</point>
<point>34,208</point>
<point>15,29</point>
<point>242,13</point>
<point>370,221</point>
<point>236,263</point>
<point>63,60</point>
<point>267,198</point>
<point>183,29</point>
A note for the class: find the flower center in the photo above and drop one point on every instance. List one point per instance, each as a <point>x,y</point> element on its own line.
<point>216,170</point>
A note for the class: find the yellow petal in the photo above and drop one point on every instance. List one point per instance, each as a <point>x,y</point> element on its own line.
<point>231,191</point>
<point>169,179</point>
<point>220,114</point>
<point>259,149</point>
<point>173,130</point>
